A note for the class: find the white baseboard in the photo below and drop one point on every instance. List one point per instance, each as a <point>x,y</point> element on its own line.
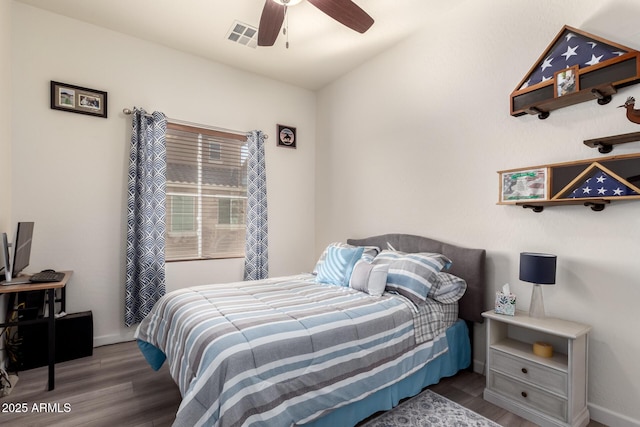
<point>478,366</point>
<point>113,338</point>
<point>610,418</point>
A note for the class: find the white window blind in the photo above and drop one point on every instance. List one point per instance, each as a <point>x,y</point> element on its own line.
<point>206,193</point>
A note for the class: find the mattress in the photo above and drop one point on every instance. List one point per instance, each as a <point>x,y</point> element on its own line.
<point>447,364</point>
<point>284,351</point>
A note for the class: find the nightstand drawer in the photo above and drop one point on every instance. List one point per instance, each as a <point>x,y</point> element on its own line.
<point>530,396</point>
<point>542,376</point>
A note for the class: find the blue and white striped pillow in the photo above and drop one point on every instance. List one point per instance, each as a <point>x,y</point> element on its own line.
<point>368,254</point>
<point>338,265</point>
<point>411,274</point>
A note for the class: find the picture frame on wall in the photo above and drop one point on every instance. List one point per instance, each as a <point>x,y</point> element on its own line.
<point>287,136</point>
<point>566,81</point>
<point>524,184</point>
<point>77,99</point>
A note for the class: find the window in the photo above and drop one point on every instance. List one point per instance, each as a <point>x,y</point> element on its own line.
<point>215,151</point>
<point>231,211</point>
<point>183,214</point>
<point>206,193</point>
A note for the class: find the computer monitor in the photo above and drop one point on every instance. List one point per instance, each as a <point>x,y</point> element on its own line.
<point>5,257</point>
<point>22,247</point>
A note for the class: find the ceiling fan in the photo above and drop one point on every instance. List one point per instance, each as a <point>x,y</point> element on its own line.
<point>344,11</point>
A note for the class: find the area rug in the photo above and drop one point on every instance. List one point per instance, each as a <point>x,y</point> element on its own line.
<point>429,409</point>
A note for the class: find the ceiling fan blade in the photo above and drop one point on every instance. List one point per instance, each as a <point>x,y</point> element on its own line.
<point>270,23</point>
<point>346,12</point>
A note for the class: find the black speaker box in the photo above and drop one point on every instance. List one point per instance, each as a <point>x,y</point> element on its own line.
<point>74,339</point>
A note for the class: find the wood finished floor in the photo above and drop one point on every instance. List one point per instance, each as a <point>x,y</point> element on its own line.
<point>116,387</point>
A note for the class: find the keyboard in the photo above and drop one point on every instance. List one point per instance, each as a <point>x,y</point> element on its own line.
<point>46,277</point>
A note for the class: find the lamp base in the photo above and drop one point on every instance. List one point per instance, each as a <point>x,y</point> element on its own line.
<point>536,309</point>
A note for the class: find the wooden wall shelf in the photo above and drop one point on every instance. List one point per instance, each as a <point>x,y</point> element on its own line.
<point>543,109</point>
<point>596,205</point>
<point>605,144</point>
<point>537,93</point>
<point>594,183</point>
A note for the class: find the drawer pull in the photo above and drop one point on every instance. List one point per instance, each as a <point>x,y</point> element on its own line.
<point>524,394</point>
<point>524,370</point>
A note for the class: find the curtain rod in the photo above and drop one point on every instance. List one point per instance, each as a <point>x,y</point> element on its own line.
<point>128,112</point>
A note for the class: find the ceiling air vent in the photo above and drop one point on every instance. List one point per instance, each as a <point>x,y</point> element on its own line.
<point>243,34</point>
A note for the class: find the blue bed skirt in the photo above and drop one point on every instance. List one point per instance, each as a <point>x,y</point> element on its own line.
<point>448,364</point>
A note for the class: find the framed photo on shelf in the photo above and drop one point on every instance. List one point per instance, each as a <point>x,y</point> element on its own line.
<point>524,184</point>
<point>566,81</point>
<point>77,99</point>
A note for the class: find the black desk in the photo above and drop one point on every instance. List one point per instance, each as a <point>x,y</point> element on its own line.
<point>51,298</point>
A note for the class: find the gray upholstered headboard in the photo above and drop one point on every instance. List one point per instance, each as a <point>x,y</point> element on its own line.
<point>467,264</point>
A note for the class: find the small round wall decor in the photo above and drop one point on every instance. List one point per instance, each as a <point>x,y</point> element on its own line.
<point>286,136</point>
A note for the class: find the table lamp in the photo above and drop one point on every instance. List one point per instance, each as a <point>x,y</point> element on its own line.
<point>539,269</point>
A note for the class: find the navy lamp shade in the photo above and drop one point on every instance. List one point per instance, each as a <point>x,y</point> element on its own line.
<point>539,269</point>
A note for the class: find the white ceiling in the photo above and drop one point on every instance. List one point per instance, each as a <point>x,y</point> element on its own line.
<point>320,48</point>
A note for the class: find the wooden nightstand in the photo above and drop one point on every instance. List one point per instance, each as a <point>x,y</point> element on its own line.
<point>549,391</point>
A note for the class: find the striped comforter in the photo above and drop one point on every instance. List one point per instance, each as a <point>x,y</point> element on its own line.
<point>280,352</point>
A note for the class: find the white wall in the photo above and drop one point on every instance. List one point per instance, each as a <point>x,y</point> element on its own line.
<point>5,134</point>
<point>5,115</point>
<point>411,142</point>
<point>69,170</point>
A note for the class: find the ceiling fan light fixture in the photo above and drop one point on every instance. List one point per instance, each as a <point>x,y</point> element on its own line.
<point>288,3</point>
<point>274,16</point>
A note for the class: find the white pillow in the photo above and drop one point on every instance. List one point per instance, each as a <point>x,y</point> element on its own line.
<point>369,278</point>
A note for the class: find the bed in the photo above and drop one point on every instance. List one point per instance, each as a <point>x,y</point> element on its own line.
<point>293,351</point>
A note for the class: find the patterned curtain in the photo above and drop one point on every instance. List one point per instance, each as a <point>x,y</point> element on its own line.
<point>256,264</point>
<point>145,215</point>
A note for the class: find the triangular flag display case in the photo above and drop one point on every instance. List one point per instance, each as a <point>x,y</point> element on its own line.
<point>576,67</point>
<point>591,182</point>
